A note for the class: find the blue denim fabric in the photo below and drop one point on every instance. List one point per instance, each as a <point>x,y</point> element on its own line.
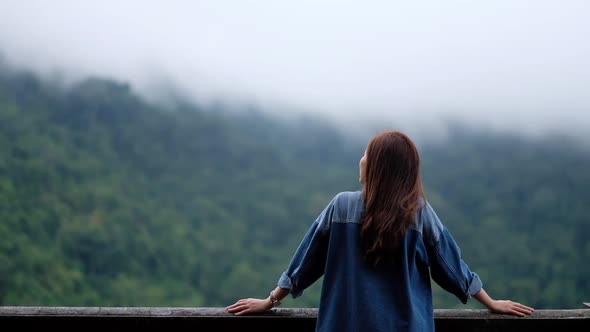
<point>358,297</point>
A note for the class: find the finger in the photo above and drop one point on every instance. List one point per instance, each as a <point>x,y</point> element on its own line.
<point>523,311</point>
<point>525,307</point>
<point>515,312</point>
<point>237,308</point>
<point>232,306</point>
<point>243,312</point>
<point>238,301</point>
<point>527,311</point>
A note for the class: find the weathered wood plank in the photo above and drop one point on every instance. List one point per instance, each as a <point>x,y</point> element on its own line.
<point>280,319</point>
<point>278,312</point>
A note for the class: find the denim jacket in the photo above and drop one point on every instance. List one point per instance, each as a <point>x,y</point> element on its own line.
<point>358,297</point>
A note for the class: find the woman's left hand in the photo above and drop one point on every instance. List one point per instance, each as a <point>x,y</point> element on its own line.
<point>249,306</point>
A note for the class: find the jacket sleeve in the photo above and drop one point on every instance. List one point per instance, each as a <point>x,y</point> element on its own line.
<point>447,267</point>
<point>308,262</point>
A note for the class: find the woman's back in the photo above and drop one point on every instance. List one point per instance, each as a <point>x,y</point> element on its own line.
<point>357,296</point>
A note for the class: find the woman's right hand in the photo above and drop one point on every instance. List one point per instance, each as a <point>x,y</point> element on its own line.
<point>510,307</point>
<point>502,306</point>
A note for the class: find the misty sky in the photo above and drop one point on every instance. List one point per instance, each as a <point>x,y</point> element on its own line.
<point>508,64</point>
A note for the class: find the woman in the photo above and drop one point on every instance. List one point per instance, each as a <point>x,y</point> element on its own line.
<point>377,250</point>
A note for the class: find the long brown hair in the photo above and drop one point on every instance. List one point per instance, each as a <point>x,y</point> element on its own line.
<point>392,192</point>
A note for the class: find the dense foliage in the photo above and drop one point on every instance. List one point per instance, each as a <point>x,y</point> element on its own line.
<point>108,200</point>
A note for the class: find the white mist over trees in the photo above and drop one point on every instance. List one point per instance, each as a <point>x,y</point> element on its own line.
<point>515,65</point>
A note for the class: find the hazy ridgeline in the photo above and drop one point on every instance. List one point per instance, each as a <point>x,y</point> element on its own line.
<point>106,200</point>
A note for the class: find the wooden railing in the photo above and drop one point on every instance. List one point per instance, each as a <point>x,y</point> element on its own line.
<point>281,319</point>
